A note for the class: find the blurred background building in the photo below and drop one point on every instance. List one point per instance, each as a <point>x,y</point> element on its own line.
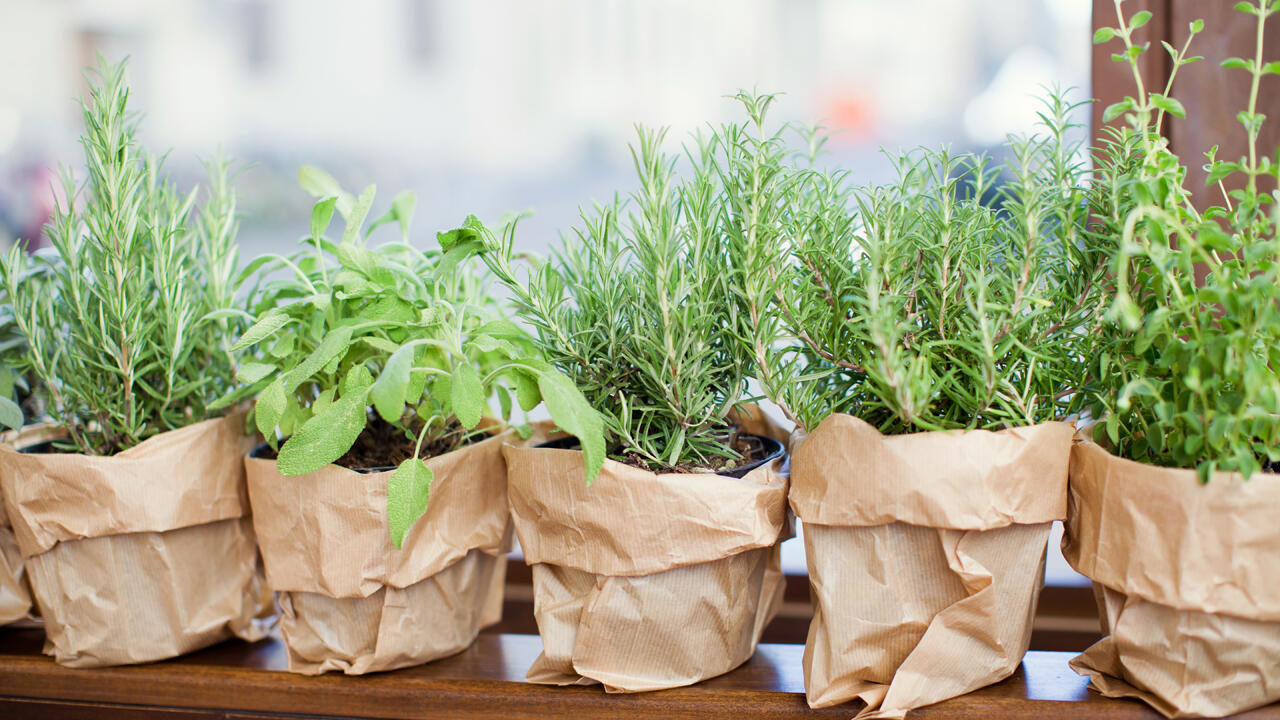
<point>490,106</point>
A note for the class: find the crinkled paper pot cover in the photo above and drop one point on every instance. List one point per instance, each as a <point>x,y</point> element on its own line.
<point>645,581</point>
<point>143,555</point>
<point>926,556</point>
<point>1186,578</point>
<point>354,603</point>
<point>15,592</point>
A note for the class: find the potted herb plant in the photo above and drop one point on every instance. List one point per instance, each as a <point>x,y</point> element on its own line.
<point>374,370</point>
<point>134,526</point>
<point>655,547</point>
<point>19,405</point>
<point>1173,511</point>
<point>938,323</point>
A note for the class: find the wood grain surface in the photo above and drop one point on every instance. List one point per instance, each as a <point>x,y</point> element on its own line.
<point>238,680</point>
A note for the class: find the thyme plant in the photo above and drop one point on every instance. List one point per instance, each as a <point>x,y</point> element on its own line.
<point>118,330</point>
<point>370,349</point>
<point>951,298</point>
<point>650,311</point>
<point>1185,372</point>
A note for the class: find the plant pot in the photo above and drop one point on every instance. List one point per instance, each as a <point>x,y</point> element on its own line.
<point>16,605</point>
<point>144,555</point>
<point>926,557</point>
<point>1186,580</point>
<point>350,600</point>
<point>645,581</point>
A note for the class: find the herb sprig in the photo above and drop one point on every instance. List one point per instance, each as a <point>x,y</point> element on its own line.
<point>1186,372</point>
<point>118,329</point>
<point>653,308</point>
<point>951,298</point>
<point>355,336</point>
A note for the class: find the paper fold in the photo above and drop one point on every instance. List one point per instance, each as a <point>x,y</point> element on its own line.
<point>351,601</point>
<point>645,581</point>
<point>55,497</point>
<point>1185,576</point>
<point>116,585</point>
<point>926,557</point>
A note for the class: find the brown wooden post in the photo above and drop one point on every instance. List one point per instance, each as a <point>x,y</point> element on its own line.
<point>1211,95</point>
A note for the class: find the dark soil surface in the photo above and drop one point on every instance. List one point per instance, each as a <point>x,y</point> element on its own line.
<point>751,449</point>
<point>383,446</point>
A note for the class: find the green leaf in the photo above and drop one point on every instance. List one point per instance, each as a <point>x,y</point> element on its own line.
<point>1114,111</point>
<point>401,210</point>
<point>527,393</point>
<point>358,380</point>
<point>321,215</point>
<point>571,411</point>
<point>408,492</point>
<point>1196,26</point>
<point>1169,105</point>
<point>390,391</point>
<point>1271,68</point>
<point>1103,34</point>
<point>269,409</point>
<point>469,231</point>
<point>320,184</point>
<point>251,372</point>
<point>334,345</point>
<point>6,381</point>
<point>1236,63</point>
<point>359,210</point>
<point>266,326</point>
<point>1139,19</point>
<point>504,401</point>
<point>466,394</point>
<point>10,413</point>
<point>325,437</point>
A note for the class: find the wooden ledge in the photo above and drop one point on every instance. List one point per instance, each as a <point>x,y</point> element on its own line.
<point>241,681</point>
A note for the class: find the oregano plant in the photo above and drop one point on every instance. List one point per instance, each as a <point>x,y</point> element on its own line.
<point>122,324</point>
<point>650,307</point>
<point>358,353</point>
<point>1185,358</point>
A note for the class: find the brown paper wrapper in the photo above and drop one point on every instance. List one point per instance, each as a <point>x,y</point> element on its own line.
<point>645,581</point>
<point>350,600</point>
<point>926,557</point>
<point>140,556</point>
<point>15,593</point>
<point>1186,580</point>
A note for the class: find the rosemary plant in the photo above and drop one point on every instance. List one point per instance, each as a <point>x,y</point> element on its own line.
<point>117,330</point>
<point>952,298</point>
<point>1185,373</point>
<point>652,311</point>
<point>385,355</point>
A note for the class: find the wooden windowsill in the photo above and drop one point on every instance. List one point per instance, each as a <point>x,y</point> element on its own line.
<point>238,680</point>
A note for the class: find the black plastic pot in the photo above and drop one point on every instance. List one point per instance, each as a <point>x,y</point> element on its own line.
<point>773,451</point>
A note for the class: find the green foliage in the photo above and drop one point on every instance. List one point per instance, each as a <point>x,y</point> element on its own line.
<point>1184,372</point>
<point>20,392</point>
<point>656,312</point>
<point>353,335</point>
<point>127,329</point>
<point>952,298</point>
